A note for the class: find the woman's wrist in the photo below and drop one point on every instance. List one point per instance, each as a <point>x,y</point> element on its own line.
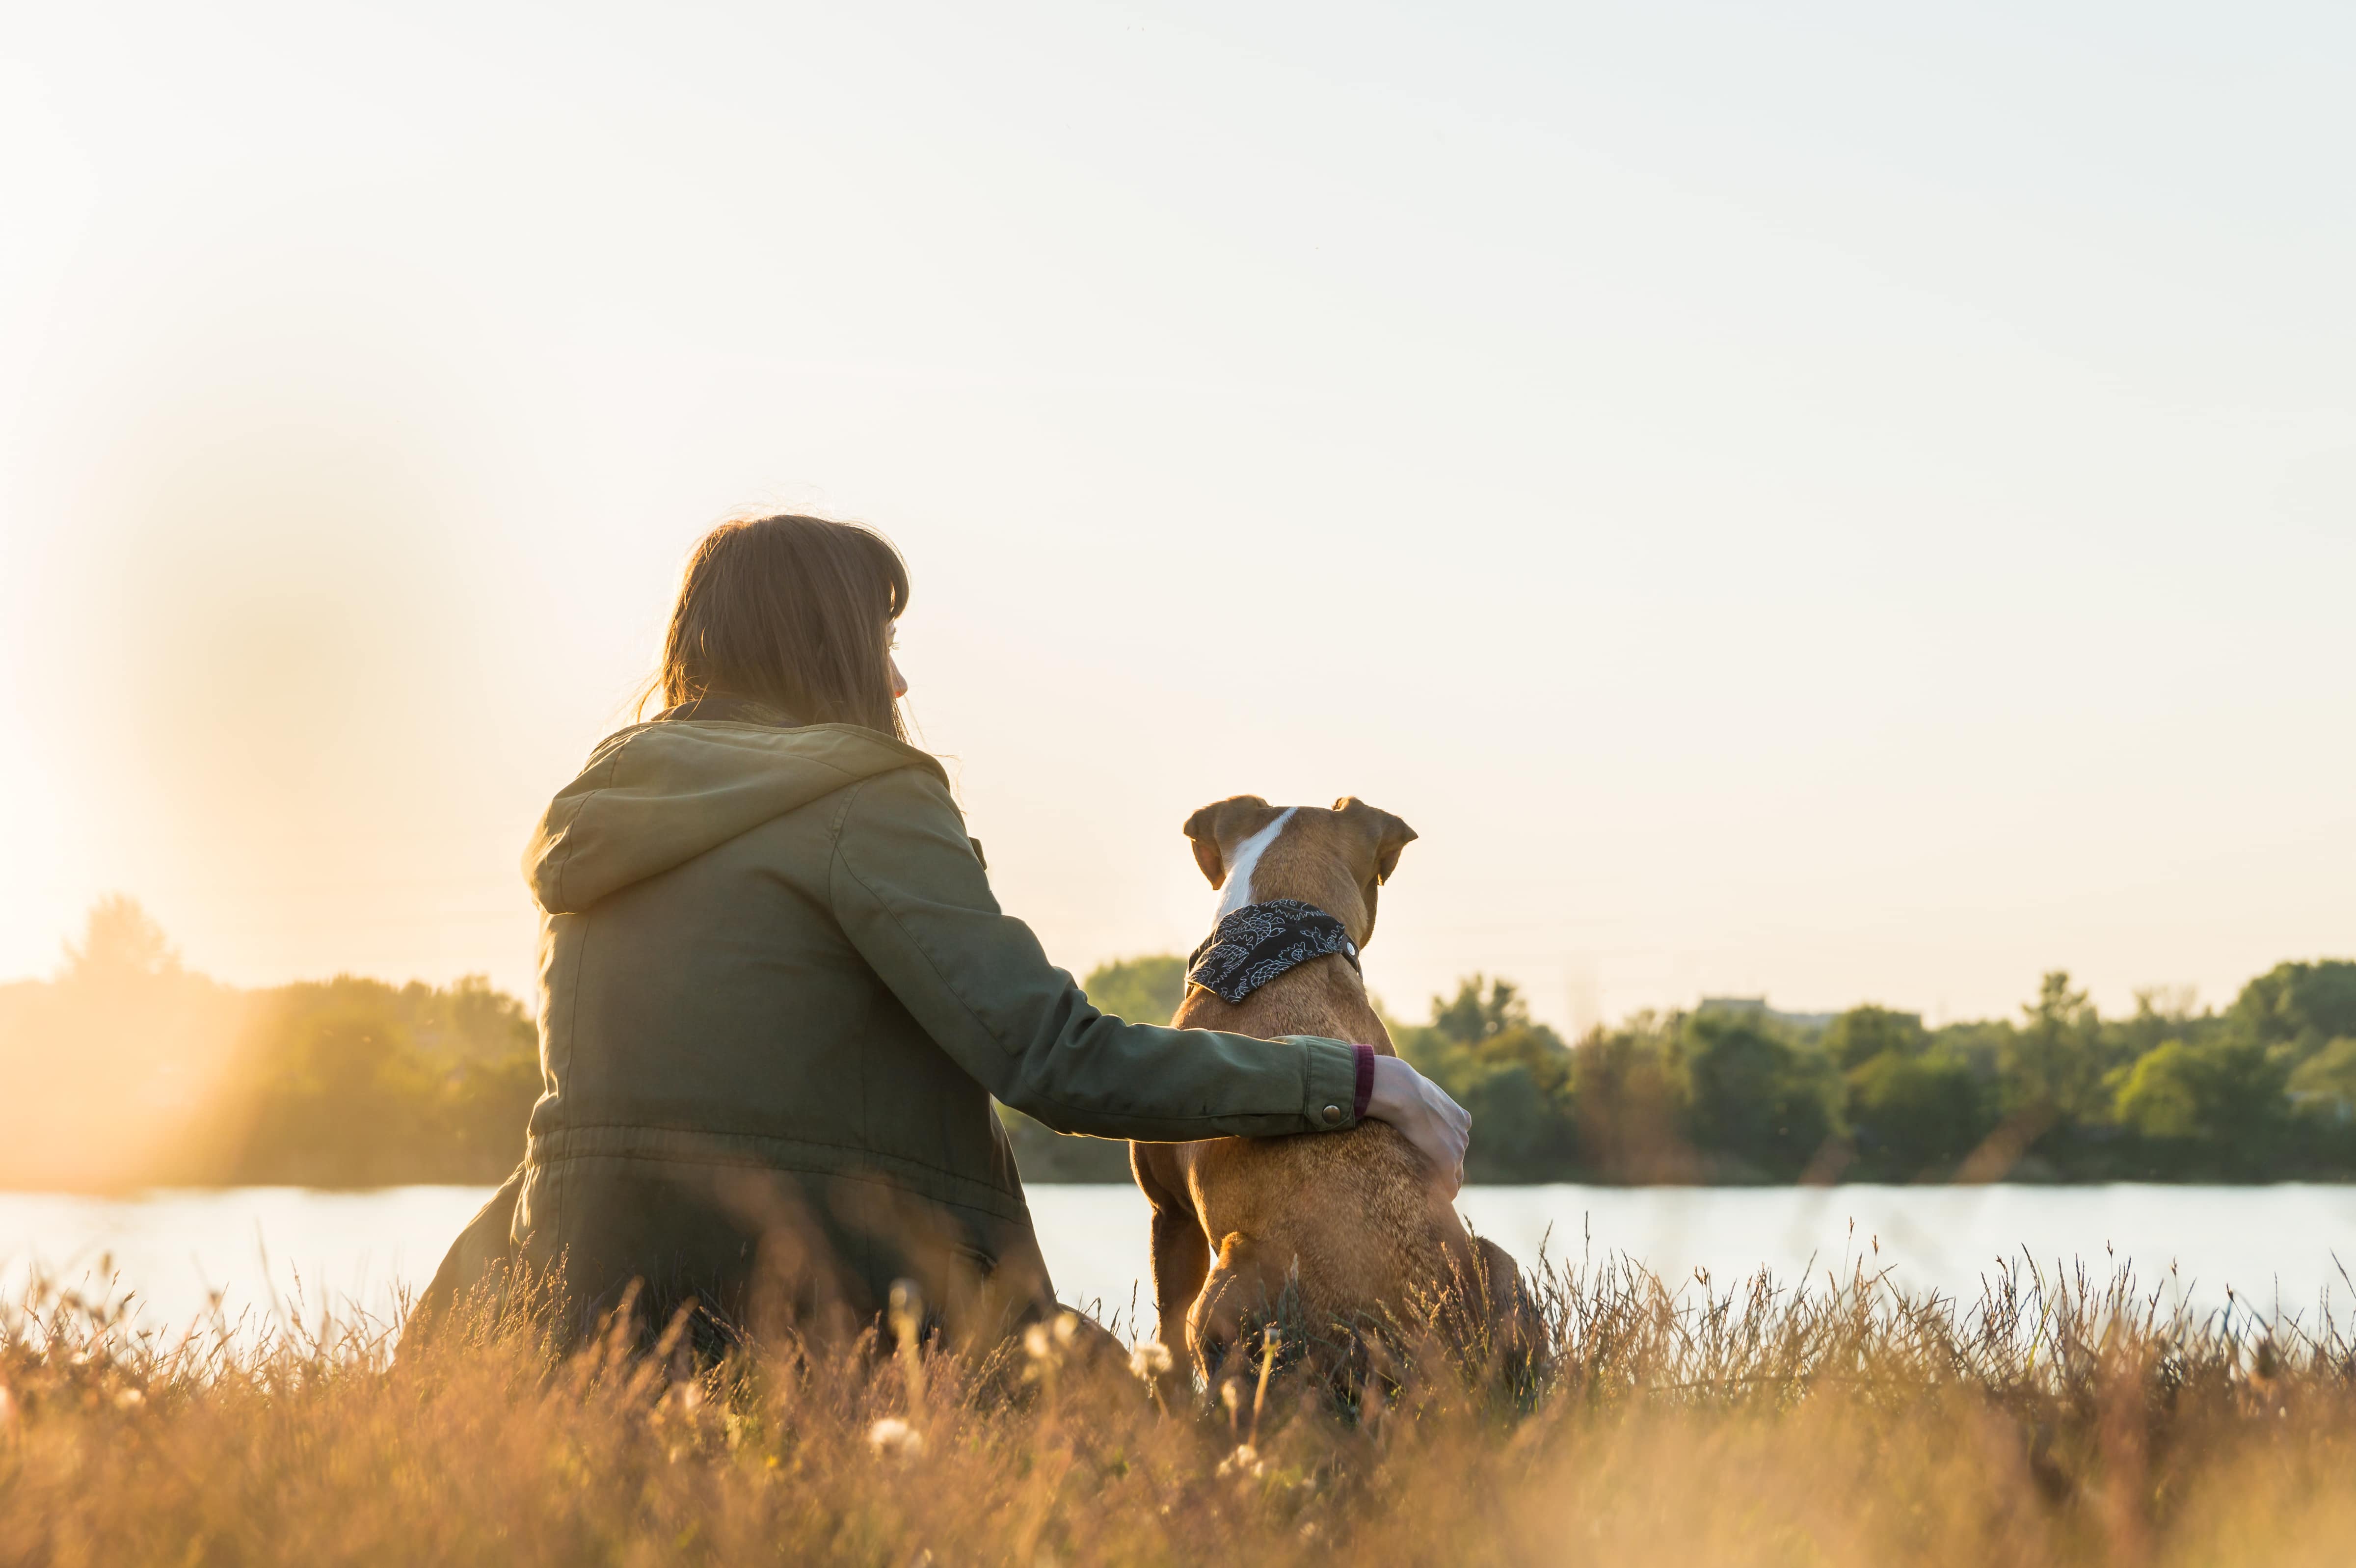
<point>1422,1111</point>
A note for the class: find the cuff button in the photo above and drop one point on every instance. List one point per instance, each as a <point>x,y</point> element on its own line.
<point>1333,1115</point>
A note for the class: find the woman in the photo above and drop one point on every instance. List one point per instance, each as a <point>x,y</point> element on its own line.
<point>776,995</point>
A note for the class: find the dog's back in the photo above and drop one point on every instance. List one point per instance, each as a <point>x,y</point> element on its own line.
<point>1352,1216</point>
<point>1351,1224</point>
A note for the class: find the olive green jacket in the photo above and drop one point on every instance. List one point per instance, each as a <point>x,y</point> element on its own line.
<point>777,996</point>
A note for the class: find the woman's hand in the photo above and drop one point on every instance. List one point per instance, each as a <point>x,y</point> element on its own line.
<point>1437,1126</point>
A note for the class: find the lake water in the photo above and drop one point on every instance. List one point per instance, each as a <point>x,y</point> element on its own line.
<point>276,1252</point>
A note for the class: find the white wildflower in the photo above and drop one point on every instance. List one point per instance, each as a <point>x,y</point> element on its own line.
<point>893,1438</point>
<point>1150,1361</point>
<point>1244,1461</point>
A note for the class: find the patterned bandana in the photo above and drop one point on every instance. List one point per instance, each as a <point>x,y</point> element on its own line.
<point>1259,942</point>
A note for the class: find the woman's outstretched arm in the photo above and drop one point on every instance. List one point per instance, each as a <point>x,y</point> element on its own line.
<point>909,890</point>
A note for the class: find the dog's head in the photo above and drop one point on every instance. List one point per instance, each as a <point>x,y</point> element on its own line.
<point>1337,859</point>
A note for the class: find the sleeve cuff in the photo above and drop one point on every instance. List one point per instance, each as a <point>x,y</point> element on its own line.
<point>1331,1103</point>
<point>1366,1095</point>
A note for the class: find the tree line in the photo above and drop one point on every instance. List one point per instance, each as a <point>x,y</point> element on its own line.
<point>127,1069</point>
<point>2264,1090</point>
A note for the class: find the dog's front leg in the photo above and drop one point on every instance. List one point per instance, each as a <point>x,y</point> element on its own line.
<point>1182,1260</point>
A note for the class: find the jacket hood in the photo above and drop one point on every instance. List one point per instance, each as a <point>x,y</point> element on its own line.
<point>657,795</point>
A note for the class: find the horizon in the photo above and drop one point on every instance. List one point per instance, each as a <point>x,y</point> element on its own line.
<point>1836,506</point>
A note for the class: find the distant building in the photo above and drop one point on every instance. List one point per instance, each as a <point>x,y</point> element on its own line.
<point>1757,1008</point>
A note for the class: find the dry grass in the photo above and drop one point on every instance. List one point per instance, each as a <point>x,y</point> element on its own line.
<point>2054,1421</point>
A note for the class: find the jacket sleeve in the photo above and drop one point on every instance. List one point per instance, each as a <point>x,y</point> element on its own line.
<point>909,892</point>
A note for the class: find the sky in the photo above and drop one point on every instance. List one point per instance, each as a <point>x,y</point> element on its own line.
<point>1839,502</point>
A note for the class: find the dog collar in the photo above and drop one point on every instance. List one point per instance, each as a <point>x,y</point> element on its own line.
<point>1254,945</point>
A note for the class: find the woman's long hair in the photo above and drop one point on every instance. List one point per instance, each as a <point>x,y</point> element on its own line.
<point>792,611</point>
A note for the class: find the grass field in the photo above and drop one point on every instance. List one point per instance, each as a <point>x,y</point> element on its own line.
<point>2054,1420</point>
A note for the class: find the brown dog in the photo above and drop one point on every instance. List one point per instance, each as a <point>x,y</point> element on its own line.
<point>1354,1219</point>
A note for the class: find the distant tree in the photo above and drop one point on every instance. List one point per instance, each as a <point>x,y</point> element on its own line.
<point>120,942</point>
<point>2160,1097</point>
<point>1494,1027</point>
<point>2222,1103</point>
<point>1914,1115</point>
<point>1521,1130</point>
<point>470,1021</point>
<point>2054,1062</point>
<point>1860,1034</point>
<point>2246,1109</point>
<point>1633,1098</point>
<point>345,1101</point>
<point>1981,1044</point>
<point>2324,1086</point>
<point>358,1083</point>
<point>1513,1074</point>
<point>1435,1054</point>
<point>2162,1013</point>
<point>1475,1014</point>
<point>1755,1098</point>
<point>485,1108</point>
<point>110,1072</point>
<point>2303,1006</point>
<point>1138,990</point>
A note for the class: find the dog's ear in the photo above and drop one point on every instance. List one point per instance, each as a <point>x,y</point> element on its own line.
<point>1385,833</point>
<point>1222,819</point>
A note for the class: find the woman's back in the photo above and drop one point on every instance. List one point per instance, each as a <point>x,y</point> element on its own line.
<point>710,1020</point>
